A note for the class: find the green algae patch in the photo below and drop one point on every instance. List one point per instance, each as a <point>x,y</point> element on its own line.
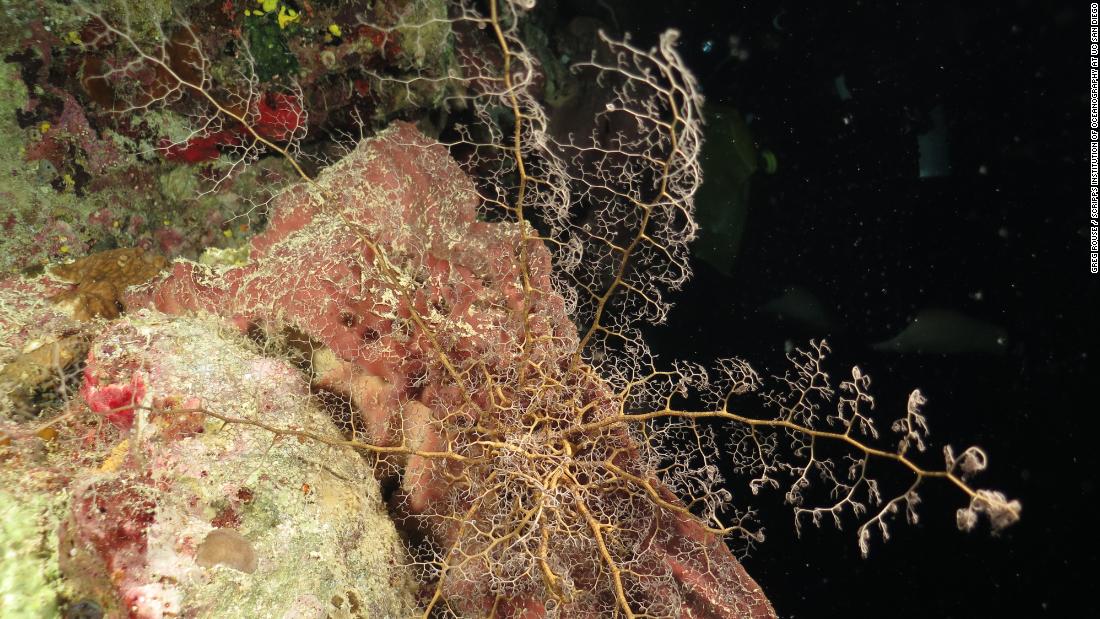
<point>29,586</point>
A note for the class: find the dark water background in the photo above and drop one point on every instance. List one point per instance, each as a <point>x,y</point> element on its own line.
<point>998,233</point>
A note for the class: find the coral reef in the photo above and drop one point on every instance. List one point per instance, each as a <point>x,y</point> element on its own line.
<point>314,276</point>
<point>43,344</point>
<point>185,512</point>
<point>40,343</point>
<point>425,388</point>
<point>187,516</point>
<point>94,163</point>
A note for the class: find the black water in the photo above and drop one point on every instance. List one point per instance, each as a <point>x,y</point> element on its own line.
<point>991,224</point>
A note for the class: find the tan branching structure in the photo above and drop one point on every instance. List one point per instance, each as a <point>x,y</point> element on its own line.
<point>552,465</point>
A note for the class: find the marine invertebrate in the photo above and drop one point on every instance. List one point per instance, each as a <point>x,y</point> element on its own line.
<point>481,446</point>
<point>478,337</point>
<point>99,279</point>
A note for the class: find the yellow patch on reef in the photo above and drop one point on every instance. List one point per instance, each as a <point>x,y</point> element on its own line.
<point>47,434</point>
<point>287,16</point>
<point>334,30</point>
<point>116,457</point>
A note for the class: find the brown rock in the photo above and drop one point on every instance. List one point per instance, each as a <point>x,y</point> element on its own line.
<point>229,548</point>
<point>102,278</point>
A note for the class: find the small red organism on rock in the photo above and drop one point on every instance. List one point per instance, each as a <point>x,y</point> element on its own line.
<point>199,148</point>
<point>115,401</point>
<point>279,116</point>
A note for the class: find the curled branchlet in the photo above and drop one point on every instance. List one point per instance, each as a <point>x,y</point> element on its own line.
<point>1000,511</point>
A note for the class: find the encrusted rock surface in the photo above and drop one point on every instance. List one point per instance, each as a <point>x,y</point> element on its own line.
<point>302,525</point>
